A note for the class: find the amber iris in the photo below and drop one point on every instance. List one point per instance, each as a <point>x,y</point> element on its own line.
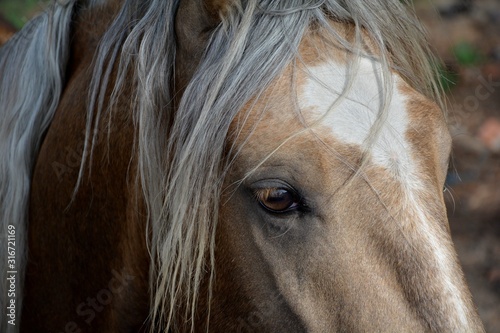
<point>277,200</point>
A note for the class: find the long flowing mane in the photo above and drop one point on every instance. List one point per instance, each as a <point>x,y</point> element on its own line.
<point>32,65</point>
<point>181,173</point>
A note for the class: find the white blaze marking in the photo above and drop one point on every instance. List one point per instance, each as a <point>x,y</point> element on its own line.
<point>351,119</point>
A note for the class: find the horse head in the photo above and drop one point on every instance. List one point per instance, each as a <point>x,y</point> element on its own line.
<point>331,215</point>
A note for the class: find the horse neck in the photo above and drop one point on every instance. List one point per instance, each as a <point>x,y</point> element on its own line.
<point>106,211</point>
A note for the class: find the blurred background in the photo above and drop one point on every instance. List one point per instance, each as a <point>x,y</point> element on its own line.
<point>465,34</point>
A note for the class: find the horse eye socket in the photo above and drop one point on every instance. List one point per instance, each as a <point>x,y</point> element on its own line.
<point>277,200</point>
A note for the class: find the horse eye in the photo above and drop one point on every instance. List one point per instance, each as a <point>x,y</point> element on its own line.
<point>277,200</point>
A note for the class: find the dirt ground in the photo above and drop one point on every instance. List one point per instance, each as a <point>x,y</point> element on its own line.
<point>473,183</point>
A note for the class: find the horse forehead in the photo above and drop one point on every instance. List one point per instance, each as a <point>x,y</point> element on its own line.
<point>346,103</point>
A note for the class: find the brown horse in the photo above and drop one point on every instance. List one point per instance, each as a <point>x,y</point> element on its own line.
<point>225,166</point>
